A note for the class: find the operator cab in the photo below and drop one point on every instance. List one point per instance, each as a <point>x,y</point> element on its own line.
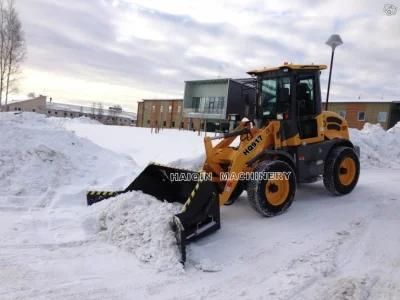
<point>291,94</point>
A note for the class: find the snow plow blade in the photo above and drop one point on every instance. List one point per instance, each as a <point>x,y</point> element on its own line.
<point>154,180</point>
<point>200,214</point>
<point>199,217</point>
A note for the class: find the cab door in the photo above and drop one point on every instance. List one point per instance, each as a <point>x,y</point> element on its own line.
<point>307,108</point>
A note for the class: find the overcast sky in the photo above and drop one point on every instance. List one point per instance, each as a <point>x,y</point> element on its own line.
<point>120,51</point>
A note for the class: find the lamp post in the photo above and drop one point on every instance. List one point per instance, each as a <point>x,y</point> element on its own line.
<point>333,41</point>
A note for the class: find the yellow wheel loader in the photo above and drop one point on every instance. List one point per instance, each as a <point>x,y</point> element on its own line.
<point>291,141</point>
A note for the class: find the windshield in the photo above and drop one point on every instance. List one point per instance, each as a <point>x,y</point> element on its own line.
<point>271,89</point>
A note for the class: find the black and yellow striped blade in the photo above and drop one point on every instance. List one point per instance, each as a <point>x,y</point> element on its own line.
<point>97,196</point>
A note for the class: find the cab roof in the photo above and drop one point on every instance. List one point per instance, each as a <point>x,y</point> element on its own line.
<point>287,66</point>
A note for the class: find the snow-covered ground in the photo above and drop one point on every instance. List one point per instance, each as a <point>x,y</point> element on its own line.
<point>54,247</point>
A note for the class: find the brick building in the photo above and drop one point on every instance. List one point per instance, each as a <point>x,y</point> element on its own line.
<point>111,116</point>
<point>359,112</point>
<point>169,113</point>
<point>163,113</point>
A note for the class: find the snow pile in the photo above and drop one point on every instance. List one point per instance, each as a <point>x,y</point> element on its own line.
<point>140,224</point>
<point>37,157</point>
<point>141,144</point>
<point>379,148</point>
<point>194,164</point>
<point>74,121</point>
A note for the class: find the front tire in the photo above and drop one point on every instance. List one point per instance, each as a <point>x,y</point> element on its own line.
<point>239,189</point>
<point>342,169</point>
<point>272,196</point>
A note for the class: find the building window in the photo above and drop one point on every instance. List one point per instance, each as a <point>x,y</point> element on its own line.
<point>49,112</point>
<point>196,103</point>
<point>148,122</point>
<point>361,116</point>
<point>173,124</point>
<point>161,108</point>
<point>71,114</point>
<point>220,104</point>
<point>342,113</point>
<point>34,110</point>
<point>56,113</point>
<point>65,114</point>
<point>179,108</point>
<point>382,116</point>
<point>170,108</point>
<point>153,108</point>
<point>19,108</point>
<point>211,105</point>
<point>165,123</point>
<point>15,108</point>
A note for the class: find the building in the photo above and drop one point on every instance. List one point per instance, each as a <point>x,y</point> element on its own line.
<point>209,103</point>
<point>161,113</point>
<point>359,112</point>
<point>112,115</point>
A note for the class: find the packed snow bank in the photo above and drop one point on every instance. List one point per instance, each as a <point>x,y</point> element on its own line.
<point>379,148</point>
<point>37,157</point>
<point>141,144</point>
<point>194,164</point>
<point>77,121</point>
<point>140,224</point>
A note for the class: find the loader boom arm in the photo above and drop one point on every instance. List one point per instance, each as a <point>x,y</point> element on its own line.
<point>229,163</point>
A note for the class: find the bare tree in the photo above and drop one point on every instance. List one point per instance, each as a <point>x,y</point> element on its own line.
<point>16,48</point>
<point>94,110</point>
<point>31,95</point>
<point>100,110</point>
<point>12,48</point>
<point>3,18</point>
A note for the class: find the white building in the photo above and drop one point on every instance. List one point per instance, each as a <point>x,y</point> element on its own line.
<point>111,115</point>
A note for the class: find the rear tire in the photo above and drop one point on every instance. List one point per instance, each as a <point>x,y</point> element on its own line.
<point>342,169</point>
<point>271,197</point>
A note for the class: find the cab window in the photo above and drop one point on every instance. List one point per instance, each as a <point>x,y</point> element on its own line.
<point>275,94</point>
<point>305,96</point>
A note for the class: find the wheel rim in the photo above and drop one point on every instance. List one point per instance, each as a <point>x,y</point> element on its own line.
<point>347,171</point>
<point>276,191</point>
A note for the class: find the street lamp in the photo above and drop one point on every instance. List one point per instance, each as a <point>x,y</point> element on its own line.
<point>333,41</point>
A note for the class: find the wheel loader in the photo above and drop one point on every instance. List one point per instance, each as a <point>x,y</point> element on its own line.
<point>289,141</point>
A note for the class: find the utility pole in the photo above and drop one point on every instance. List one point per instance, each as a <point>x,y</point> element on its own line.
<point>333,41</point>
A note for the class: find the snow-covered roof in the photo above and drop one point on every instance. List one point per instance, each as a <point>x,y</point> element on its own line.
<point>89,110</point>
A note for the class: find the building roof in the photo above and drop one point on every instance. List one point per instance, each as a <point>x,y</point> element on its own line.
<point>15,101</point>
<point>363,100</point>
<point>213,80</point>
<point>289,66</point>
<point>160,99</point>
<point>249,81</point>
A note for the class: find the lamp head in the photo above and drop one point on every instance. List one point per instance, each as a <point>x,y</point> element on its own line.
<point>334,41</point>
